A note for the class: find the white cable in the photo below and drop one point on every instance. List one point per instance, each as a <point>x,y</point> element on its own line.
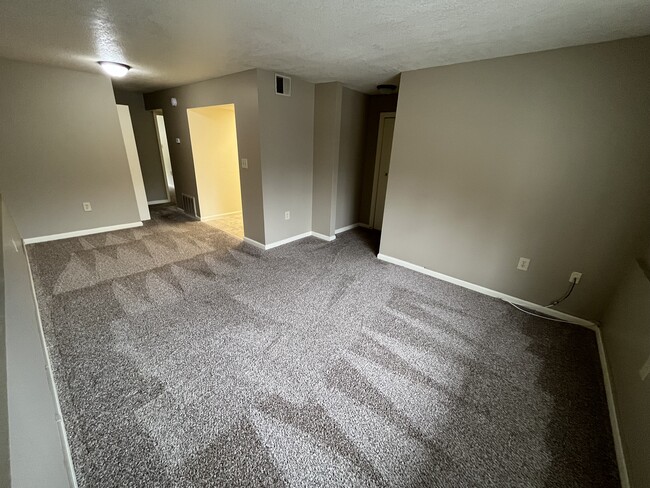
<point>536,315</point>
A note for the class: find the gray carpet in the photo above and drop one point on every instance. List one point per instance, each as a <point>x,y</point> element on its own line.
<point>184,357</point>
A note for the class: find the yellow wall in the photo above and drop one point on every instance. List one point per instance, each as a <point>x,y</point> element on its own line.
<point>216,162</point>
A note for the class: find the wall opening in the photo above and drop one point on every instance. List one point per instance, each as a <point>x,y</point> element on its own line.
<point>213,135</point>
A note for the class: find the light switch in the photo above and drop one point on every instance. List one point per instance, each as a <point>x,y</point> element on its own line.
<point>244,163</point>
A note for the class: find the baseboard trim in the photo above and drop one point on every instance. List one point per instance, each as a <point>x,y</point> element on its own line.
<point>266,247</point>
<point>63,434</point>
<point>493,293</point>
<point>613,417</point>
<point>323,237</point>
<point>216,216</point>
<point>347,227</point>
<point>158,202</point>
<point>364,226</point>
<point>254,243</point>
<point>81,233</point>
<point>287,240</point>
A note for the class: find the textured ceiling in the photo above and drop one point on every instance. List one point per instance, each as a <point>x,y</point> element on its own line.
<point>361,43</point>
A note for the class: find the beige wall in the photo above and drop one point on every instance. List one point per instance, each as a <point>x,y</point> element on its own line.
<point>146,140</point>
<point>286,138</point>
<point>351,157</point>
<point>240,89</point>
<point>376,105</point>
<point>327,137</point>
<point>626,336</point>
<point>216,163</point>
<point>62,146</point>
<point>542,155</point>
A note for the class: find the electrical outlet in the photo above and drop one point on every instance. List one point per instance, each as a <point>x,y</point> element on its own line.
<point>287,215</point>
<point>523,264</point>
<point>575,276</point>
<point>244,163</point>
<point>87,207</point>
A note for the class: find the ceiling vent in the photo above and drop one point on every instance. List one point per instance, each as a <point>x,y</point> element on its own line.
<point>282,85</point>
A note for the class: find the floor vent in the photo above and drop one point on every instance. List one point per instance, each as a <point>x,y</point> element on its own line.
<point>188,204</point>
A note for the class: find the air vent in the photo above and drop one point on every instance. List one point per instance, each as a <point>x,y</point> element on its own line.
<point>189,204</point>
<point>282,85</point>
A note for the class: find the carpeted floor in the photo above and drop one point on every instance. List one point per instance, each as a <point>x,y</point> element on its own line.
<point>184,357</point>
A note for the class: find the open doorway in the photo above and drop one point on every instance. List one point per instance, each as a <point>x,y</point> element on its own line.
<point>213,134</point>
<point>382,166</point>
<point>165,159</point>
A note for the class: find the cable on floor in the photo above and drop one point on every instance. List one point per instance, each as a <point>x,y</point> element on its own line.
<point>536,315</point>
<point>574,282</point>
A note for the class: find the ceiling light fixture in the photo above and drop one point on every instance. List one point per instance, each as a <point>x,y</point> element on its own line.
<point>387,89</point>
<point>116,70</point>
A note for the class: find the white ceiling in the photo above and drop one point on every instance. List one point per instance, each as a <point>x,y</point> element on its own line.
<point>361,43</point>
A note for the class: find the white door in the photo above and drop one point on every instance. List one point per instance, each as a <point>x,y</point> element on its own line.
<point>384,145</point>
<point>164,156</point>
<point>134,161</point>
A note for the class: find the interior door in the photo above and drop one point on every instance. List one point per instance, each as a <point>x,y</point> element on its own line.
<point>384,164</point>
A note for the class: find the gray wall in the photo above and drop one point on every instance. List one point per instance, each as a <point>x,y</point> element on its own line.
<point>376,105</point>
<point>351,157</point>
<point>240,89</point>
<point>542,155</point>
<point>327,137</point>
<point>37,457</point>
<point>287,141</point>
<point>61,146</point>
<point>626,337</point>
<point>4,415</point>
<point>146,140</point>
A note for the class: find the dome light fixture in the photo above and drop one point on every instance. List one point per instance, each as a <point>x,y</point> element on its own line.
<point>387,89</point>
<point>115,70</point>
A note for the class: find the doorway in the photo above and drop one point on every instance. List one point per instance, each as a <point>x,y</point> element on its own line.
<point>165,159</point>
<point>213,135</point>
<point>382,166</point>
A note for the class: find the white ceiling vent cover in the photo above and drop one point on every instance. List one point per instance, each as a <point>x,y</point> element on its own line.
<point>282,85</point>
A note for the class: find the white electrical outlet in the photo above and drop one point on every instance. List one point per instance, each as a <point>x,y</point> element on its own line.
<point>287,215</point>
<point>87,207</point>
<point>575,276</point>
<point>523,264</point>
<point>244,163</point>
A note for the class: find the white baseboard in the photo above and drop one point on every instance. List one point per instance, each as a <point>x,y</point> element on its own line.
<point>323,237</point>
<point>256,244</point>
<point>215,217</point>
<point>287,240</point>
<point>347,227</point>
<point>613,417</point>
<point>158,202</point>
<point>487,291</point>
<point>266,247</point>
<point>81,233</point>
<point>364,226</point>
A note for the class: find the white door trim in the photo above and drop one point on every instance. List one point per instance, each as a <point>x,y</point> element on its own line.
<point>375,180</point>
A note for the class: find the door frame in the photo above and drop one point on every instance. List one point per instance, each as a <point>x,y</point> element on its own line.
<point>380,137</point>
<point>155,114</point>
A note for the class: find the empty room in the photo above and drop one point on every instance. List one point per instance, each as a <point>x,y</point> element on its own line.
<point>299,244</point>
